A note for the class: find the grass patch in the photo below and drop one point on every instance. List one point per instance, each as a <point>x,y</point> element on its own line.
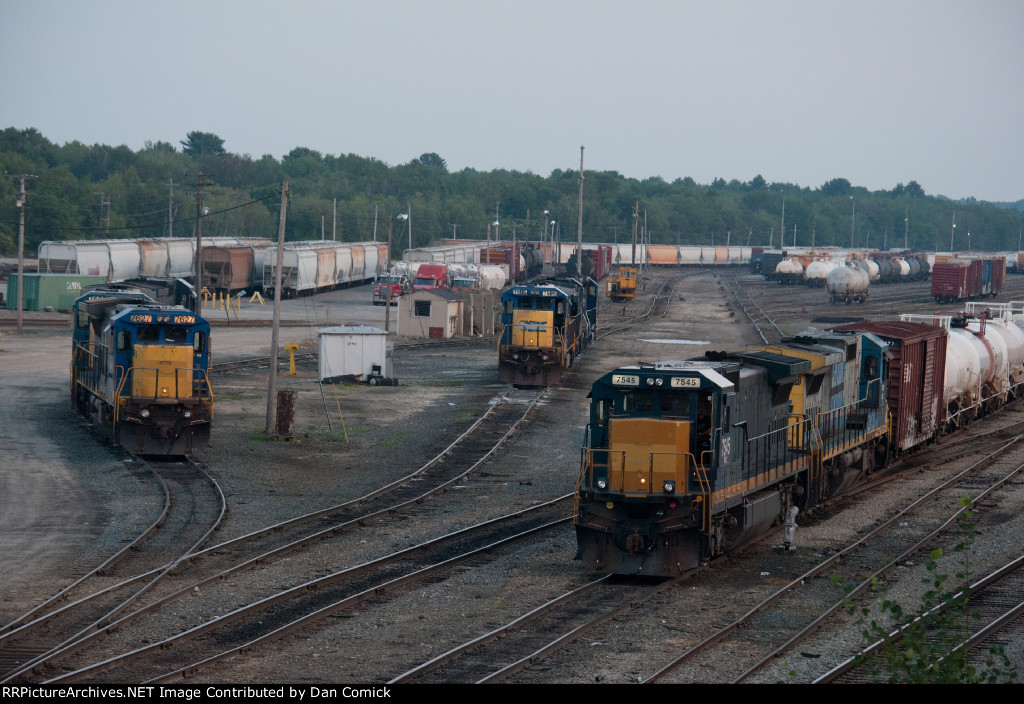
<point>441,383</point>
<point>361,430</point>
<point>387,443</point>
<point>261,436</point>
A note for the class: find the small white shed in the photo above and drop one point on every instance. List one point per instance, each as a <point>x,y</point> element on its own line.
<point>354,350</point>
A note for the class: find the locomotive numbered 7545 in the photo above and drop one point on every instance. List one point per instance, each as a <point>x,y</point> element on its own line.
<point>140,370</point>
<point>683,460</point>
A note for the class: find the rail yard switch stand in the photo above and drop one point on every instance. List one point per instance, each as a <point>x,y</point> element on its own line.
<point>292,348</point>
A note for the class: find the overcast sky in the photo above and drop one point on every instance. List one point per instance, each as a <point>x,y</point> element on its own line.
<point>798,91</point>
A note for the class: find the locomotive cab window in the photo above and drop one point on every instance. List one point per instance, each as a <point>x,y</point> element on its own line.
<point>509,306</point>
<point>148,333</point>
<point>199,342</point>
<point>124,340</point>
<point>175,334</point>
<point>675,405</point>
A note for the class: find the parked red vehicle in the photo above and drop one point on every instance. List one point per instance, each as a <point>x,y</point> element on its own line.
<point>431,276</point>
<point>399,284</point>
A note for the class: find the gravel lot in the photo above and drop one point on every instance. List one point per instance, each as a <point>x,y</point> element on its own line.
<point>69,498</point>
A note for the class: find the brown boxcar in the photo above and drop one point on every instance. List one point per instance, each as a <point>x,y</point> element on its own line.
<point>916,378</point>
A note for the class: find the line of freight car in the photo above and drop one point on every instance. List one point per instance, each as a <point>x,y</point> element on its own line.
<point>521,260</point>
<point>653,255</point>
<point>120,260</point>
<point>595,263</point>
<point>309,267</point>
<point>686,460</point>
<point>965,279</point>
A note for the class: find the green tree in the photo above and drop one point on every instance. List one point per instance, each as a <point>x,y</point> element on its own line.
<point>202,143</point>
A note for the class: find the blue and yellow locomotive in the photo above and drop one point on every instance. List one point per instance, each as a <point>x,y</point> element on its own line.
<point>141,371</point>
<point>544,328</point>
<point>684,460</point>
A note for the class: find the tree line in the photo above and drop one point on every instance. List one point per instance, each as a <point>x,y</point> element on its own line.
<point>100,191</point>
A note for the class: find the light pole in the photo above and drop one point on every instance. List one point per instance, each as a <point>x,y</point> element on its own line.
<point>544,235</point>
<point>853,218</point>
<point>952,232</point>
<point>405,217</point>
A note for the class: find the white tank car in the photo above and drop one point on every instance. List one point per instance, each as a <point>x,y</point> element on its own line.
<point>818,270</point>
<point>847,284</point>
<point>789,271</point>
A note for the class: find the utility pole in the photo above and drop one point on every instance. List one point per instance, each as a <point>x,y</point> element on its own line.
<point>20,204</point>
<point>455,230</point>
<point>199,245</point>
<point>104,203</point>
<point>579,225</point>
<point>782,229</point>
<point>906,226</point>
<point>409,222</point>
<point>334,227</point>
<point>272,388</point>
<point>170,210</point>
<point>375,230</point>
<point>387,275</point>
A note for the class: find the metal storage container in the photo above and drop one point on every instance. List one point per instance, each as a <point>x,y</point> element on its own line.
<point>59,291</point>
<point>356,351</point>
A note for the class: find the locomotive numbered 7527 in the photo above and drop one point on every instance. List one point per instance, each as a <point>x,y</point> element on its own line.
<point>140,370</point>
<point>683,460</point>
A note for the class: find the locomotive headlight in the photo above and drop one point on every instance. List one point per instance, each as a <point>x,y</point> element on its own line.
<point>602,484</point>
<point>650,381</point>
<point>669,487</point>
<point>164,390</point>
<point>187,414</point>
<point>659,382</point>
<point>144,413</point>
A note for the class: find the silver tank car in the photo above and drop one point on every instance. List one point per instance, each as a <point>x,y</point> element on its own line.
<point>847,284</point>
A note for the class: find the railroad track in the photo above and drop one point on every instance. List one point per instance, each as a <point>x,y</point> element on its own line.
<point>501,653</point>
<point>663,297</point>
<point>215,567</point>
<point>194,507</point>
<point>996,606</point>
<point>737,650</point>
